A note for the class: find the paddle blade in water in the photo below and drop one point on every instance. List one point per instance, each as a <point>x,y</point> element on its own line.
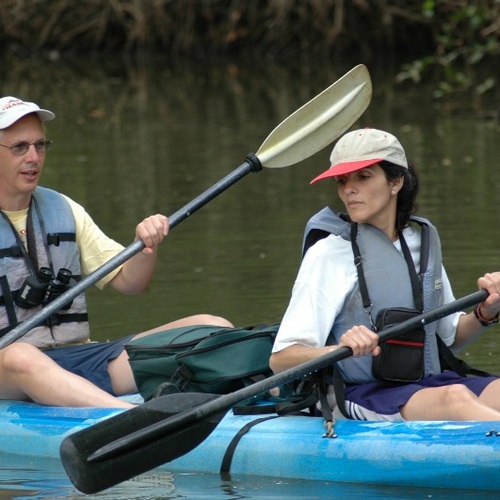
<point>91,476</point>
<point>319,122</point>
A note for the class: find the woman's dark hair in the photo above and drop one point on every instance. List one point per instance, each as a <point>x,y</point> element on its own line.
<point>407,196</point>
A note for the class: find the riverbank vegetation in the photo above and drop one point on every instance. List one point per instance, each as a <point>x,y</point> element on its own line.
<point>445,39</point>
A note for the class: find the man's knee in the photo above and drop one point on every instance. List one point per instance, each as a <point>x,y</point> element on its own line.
<point>20,357</point>
<point>210,319</point>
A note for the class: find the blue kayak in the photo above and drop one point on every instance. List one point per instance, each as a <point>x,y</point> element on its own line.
<point>459,455</point>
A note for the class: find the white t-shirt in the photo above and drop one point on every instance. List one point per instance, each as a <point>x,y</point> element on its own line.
<point>325,278</point>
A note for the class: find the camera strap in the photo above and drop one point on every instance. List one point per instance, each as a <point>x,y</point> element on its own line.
<point>30,239</point>
<point>20,244</point>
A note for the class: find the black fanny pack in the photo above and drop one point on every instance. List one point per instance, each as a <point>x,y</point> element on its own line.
<point>402,358</point>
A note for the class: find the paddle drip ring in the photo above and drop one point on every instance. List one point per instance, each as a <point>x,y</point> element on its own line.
<point>254,162</point>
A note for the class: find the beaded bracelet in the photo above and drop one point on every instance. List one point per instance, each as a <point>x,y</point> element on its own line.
<point>485,322</point>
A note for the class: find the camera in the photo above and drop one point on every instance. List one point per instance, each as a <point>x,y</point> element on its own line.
<point>34,289</point>
<point>41,288</point>
<point>57,286</point>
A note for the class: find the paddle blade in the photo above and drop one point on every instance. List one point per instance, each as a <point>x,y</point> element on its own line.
<point>92,476</point>
<point>319,122</point>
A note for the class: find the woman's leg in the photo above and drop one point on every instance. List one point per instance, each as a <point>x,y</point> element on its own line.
<point>491,395</point>
<point>451,402</point>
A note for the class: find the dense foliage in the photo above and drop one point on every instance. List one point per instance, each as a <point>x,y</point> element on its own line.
<point>450,36</point>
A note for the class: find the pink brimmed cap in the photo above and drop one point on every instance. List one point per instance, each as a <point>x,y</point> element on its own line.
<point>12,109</point>
<point>362,148</point>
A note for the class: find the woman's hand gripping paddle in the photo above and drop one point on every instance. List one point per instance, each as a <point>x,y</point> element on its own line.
<point>305,132</point>
<point>166,428</point>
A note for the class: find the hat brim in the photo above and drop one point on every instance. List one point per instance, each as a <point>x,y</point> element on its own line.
<point>44,114</point>
<point>345,168</point>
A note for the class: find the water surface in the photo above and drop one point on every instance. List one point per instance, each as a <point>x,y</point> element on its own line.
<point>131,141</point>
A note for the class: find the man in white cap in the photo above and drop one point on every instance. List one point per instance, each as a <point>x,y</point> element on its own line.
<point>47,242</point>
<point>374,261</point>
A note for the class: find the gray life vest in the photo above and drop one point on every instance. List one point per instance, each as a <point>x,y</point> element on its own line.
<point>386,273</point>
<point>53,236</point>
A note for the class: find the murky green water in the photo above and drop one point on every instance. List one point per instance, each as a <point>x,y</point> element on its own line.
<point>132,141</point>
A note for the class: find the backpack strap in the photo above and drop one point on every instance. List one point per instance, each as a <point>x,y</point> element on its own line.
<point>450,362</point>
<point>225,466</point>
<point>292,400</point>
<point>329,421</point>
<point>304,396</point>
<point>339,389</point>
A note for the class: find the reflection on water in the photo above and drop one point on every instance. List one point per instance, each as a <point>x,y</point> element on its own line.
<point>27,478</point>
<point>132,141</point>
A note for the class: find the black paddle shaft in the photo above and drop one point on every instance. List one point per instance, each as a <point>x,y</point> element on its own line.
<point>154,433</point>
<point>225,402</point>
<point>252,164</point>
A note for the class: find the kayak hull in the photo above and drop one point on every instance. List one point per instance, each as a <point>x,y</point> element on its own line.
<point>457,455</point>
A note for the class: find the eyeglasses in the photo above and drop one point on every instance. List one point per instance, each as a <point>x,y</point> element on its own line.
<point>21,148</point>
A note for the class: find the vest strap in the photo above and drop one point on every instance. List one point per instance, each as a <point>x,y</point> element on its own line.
<point>14,251</point>
<point>56,238</point>
<point>8,299</point>
<point>54,320</point>
<point>9,296</point>
<point>358,261</point>
<point>58,319</point>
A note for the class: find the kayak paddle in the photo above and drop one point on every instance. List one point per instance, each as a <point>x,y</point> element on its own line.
<point>305,132</point>
<point>163,429</point>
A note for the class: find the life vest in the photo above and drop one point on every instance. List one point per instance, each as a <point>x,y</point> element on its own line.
<point>53,236</point>
<point>387,278</point>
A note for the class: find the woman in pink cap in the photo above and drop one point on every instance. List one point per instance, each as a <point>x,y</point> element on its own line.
<point>374,265</point>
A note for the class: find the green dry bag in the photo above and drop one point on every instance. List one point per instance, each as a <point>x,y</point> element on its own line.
<point>201,358</point>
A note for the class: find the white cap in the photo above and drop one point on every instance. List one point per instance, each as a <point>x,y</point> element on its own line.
<point>12,109</point>
<point>362,148</point>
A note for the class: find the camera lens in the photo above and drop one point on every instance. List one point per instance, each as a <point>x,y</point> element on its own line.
<point>64,275</point>
<point>45,274</point>
<point>59,285</point>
